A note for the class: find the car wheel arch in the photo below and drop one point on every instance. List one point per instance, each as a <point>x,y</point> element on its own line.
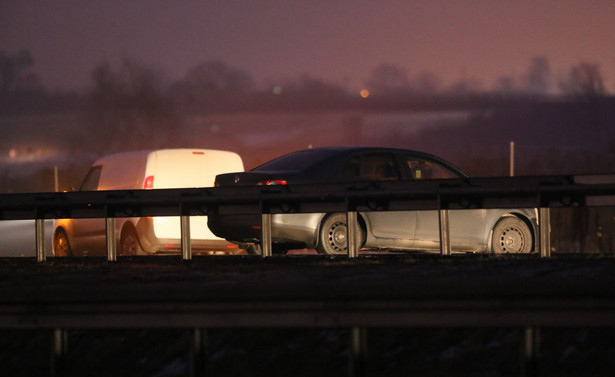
<point>127,228</point>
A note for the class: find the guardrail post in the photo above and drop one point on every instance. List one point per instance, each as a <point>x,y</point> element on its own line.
<point>111,239</point>
<point>531,350</point>
<point>185,237</point>
<point>59,342</point>
<point>445,240</point>
<point>352,228</point>
<point>39,225</point>
<point>358,352</point>
<point>266,235</point>
<point>198,353</point>
<point>544,229</point>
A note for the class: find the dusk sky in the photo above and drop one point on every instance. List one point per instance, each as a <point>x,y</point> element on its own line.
<point>336,40</point>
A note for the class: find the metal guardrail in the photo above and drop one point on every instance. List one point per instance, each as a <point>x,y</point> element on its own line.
<point>542,192</point>
<point>443,195</point>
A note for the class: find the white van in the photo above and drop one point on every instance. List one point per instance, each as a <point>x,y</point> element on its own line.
<point>158,169</point>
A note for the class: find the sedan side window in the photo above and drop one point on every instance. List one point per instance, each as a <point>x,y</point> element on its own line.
<point>423,169</point>
<point>372,167</point>
<point>90,183</point>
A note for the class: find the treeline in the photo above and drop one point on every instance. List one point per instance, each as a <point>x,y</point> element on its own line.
<point>216,87</point>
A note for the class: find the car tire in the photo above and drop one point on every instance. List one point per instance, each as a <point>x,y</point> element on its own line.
<point>61,246</point>
<point>129,242</point>
<point>512,235</point>
<point>332,235</point>
<point>252,248</point>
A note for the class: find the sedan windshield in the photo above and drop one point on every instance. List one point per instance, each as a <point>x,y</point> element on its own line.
<point>300,160</point>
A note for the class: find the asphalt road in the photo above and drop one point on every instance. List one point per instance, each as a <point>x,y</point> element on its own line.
<point>52,288</point>
<point>17,238</point>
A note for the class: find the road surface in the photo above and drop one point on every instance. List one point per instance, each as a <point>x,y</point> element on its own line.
<point>17,238</point>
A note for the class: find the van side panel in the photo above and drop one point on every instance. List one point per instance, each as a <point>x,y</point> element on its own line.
<point>170,168</point>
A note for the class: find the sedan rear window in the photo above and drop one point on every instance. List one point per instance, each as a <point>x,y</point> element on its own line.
<point>300,160</point>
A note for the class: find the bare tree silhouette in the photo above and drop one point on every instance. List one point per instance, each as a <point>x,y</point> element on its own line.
<point>585,81</point>
<point>16,74</point>
<point>129,108</point>
<point>537,79</point>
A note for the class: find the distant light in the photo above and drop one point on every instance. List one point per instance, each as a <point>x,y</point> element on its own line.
<point>364,93</point>
<point>277,90</point>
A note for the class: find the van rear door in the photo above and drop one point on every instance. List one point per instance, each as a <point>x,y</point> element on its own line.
<point>186,168</point>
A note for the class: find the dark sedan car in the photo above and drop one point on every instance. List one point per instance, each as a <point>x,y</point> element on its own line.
<point>476,230</point>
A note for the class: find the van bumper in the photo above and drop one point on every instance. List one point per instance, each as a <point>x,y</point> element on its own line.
<point>154,245</point>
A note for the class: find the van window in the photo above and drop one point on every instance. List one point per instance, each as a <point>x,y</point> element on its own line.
<point>90,183</point>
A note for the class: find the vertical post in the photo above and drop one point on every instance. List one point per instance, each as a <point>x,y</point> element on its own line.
<point>111,241</point>
<point>544,229</point>
<point>266,235</point>
<point>56,180</point>
<point>185,237</point>
<point>352,231</point>
<point>358,352</point>
<point>445,241</point>
<point>59,342</point>
<point>39,225</point>
<point>512,158</point>
<point>198,353</point>
<point>531,349</point>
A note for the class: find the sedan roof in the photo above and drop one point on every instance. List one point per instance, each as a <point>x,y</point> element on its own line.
<point>297,160</point>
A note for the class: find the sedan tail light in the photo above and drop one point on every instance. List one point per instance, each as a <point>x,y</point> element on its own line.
<point>271,182</point>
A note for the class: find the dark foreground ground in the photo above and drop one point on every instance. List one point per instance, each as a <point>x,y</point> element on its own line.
<point>424,351</point>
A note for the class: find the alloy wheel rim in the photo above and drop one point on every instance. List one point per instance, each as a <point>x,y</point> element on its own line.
<point>512,240</point>
<point>337,236</point>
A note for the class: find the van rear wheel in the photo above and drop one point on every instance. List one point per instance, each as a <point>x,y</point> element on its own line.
<point>129,242</point>
<point>61,247</point>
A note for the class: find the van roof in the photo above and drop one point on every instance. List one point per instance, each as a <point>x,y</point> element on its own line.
<point>145,153</point>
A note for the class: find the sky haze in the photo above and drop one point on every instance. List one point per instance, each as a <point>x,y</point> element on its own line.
<point>340,41</point>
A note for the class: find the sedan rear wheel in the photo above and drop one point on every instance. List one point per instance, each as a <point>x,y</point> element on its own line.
<point>511,235</point>
<point>332,238</point>
<point>129,242</point>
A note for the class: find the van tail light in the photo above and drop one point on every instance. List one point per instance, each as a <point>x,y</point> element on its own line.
<point>148,183</point>
<point>272,182</point>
